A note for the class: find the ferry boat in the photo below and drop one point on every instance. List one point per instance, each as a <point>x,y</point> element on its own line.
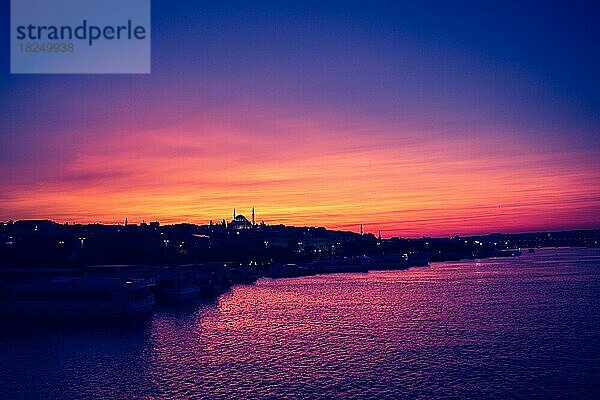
<point>340,264</point>
<point>173,283</point>
<point>279,270</point>
<point>76,296</point>
<point>183,282</point>
<point>508,253</point>
<point>394,261</point>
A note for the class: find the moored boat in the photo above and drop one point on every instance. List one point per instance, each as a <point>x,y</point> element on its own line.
<point>77,296</point>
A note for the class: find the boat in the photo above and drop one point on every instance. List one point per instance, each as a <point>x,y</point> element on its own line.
<point>393,261</point>
<point>508,253</point>
<point>339,264</point>
<point>77,296</point>
<point>183,282</point>
<point>282,270</point>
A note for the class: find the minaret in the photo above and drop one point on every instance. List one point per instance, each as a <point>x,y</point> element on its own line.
<point>125,221</point>
<point>379,235</point>
<point>361,229</point>
<point>252,216</point>
<point>234,213</point>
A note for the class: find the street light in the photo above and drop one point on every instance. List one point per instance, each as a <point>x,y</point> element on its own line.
<point>166,241</point>
<point>82,239</point>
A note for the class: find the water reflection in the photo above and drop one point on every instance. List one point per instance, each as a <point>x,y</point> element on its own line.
<point>522,327</point>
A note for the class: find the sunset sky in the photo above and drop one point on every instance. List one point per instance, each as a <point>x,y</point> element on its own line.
<point>413,118</point>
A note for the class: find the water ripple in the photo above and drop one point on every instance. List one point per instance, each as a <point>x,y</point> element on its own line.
<point>515,328</point>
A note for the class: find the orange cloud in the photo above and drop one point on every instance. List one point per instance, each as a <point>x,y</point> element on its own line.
<point>322,172</point>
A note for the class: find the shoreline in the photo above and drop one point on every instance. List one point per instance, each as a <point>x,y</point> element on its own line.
<point>219,278</point>
<point>224,279</point>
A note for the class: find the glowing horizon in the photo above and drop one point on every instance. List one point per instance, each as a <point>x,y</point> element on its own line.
<point>324,177</point>
<point>322,121</point>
